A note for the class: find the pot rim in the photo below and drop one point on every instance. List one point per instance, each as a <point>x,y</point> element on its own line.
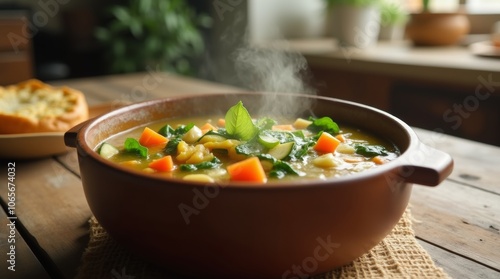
<point>413,142</point>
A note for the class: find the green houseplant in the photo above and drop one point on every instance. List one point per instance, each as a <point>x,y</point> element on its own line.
<point>426,5</point>
<point>429,28</point>
<point>163,35</point>
<point>392,22</point>
<point>355,23</point>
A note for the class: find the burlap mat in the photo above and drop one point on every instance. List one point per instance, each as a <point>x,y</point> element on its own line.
<point>398,256</point>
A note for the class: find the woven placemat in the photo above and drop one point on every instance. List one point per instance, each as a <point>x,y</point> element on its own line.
<point>399,255</point>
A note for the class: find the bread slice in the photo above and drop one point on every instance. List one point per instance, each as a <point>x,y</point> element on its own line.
<point>33,107</point>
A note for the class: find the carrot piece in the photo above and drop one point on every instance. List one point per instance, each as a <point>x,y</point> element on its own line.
<point>151,138</point>
<point>285,127</point>
<point>221,122</point>
<point>340,137</point>
<point>207,127</point>
<point>379,160</point>
<point>163,164</point>
<point>326,143</point>
<point>250,170</point>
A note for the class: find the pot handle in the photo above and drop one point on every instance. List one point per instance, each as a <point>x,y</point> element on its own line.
<point>426,166</point>
<point>71,135</point>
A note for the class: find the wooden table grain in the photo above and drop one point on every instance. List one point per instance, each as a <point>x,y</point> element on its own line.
<point>457,222</point>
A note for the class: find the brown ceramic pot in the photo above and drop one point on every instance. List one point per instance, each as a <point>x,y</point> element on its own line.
<point>237,230</point>
<point>437,29</point>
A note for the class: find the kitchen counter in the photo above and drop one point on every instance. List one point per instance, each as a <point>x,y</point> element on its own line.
<point>457,222</point>
<point>427,87</point>
<point>451,64</point>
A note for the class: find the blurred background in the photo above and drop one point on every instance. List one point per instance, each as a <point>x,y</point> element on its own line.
<point>66,39</point>
<point>432,63</point>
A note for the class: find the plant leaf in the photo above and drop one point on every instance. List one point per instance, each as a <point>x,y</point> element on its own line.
<point>175,136</point>
<point>370,150</point>
<point>265,123</point>
<point>212,164</point>
<point>250,148</point>
<point>281,169</point>
<point>133,146</point>
<point>167,131</point>
<point>323,124</point>
<point>239,123</point>
<point>121,13</point>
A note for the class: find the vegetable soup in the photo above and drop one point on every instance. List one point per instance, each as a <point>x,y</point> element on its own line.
<point>237,147</point>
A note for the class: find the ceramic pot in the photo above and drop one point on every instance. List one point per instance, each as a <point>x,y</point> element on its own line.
<point>355,26</point>
<point>437,29</point>
<point>391,33</point>
<point>237,230</point>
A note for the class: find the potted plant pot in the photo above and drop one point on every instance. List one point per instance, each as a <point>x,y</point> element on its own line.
<point>392,22</point>
<point>437,29</point>
<point>355,24</point>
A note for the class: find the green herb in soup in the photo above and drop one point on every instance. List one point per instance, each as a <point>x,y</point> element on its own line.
<point>241,148</point>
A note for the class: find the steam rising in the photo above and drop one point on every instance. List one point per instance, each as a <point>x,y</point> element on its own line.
<point>274,69</point>
<point>268,67</point>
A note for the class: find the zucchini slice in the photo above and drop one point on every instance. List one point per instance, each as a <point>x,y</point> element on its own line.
<point>268,141</point>
<point>107,150</point>
<point>281,150</point>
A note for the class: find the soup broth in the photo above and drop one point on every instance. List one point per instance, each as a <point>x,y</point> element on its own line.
<point>204,149</point>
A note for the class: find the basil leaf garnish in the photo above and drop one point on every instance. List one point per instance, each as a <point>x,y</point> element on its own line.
<point>239,123</point>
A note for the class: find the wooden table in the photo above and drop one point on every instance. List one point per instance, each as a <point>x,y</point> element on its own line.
<point>458,222</point>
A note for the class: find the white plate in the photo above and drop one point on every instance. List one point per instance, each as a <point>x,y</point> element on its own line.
<point>33,145</point>
<point>39,145</point>
<point>485,49</point>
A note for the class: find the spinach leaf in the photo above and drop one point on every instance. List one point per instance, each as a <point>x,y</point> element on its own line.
<point>299,134</point>
<point>250,148</point>
<point>133,146</point>
<point>167,131</point>
<point>282,136</point>
<point>265,123</point>
<point>220,132</point>
<point>267,157</point>
<point>239,123</point>
<point>176,137</point>
<point>183,129</point>
<point>281,169</point>
<point>370,150</point>
<point>212,164</point>
<point>301,146</point>
<point>171,147</point>
<point>323,124</point>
